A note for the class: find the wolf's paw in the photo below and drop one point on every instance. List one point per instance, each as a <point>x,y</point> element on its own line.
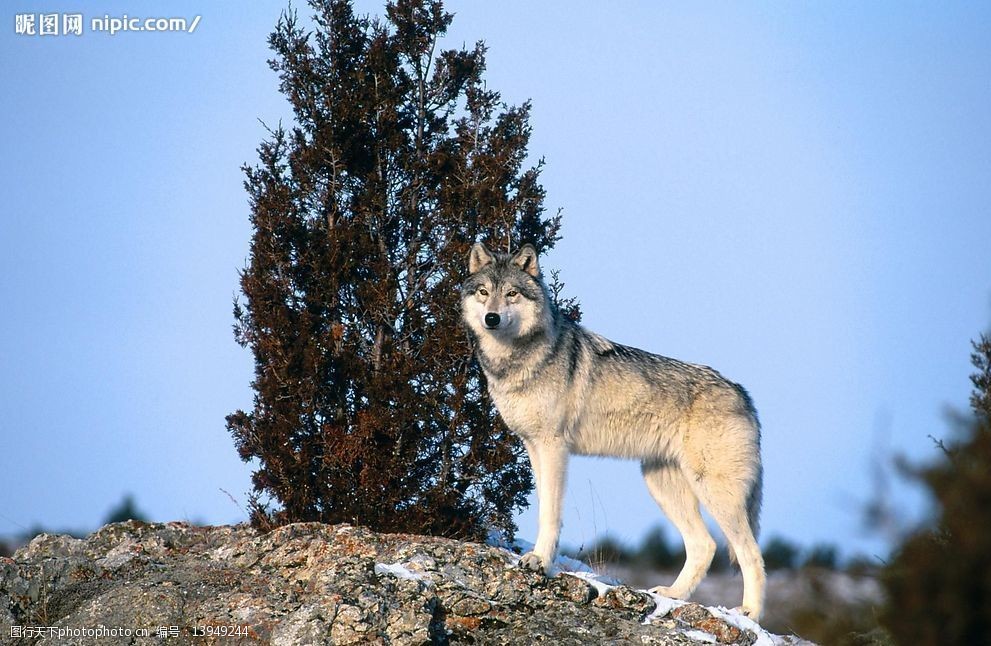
<point>670,593</point>
<point>530,561</point>
<point>750,613</point>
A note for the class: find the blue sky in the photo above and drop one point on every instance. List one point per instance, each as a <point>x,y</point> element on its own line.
<point>796,194</point>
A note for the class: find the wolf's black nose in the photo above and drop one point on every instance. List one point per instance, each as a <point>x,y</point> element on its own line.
<point>492,319</point>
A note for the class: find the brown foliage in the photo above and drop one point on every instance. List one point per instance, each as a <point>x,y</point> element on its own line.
<point>369,407</point>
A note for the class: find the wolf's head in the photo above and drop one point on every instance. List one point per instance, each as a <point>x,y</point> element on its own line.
<point>504,296</point>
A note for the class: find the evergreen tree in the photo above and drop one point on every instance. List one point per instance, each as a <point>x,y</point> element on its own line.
<point>369,407</point>
<point>939,583</point>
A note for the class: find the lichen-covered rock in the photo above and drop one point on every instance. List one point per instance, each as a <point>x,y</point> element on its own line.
<point>699,618</point>
<point>307,583</point>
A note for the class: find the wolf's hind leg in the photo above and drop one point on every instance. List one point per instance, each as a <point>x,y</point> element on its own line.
<point>673,493</point>
<point>725,498</point>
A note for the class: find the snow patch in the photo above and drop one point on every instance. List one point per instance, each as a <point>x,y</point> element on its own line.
<point>498,539</point>
<point>742,622</point>
<point>400,571</point>
<point>603,583</point>
<point>562,564</point>
<point>664,606</point>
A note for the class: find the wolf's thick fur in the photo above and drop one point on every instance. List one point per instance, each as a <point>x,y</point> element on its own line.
<point>565,390</point>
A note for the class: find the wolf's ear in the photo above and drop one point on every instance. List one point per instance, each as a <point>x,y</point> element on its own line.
<point>479,257</point>
<point>526,259</point>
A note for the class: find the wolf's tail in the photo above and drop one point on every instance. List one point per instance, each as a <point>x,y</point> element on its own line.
<point>754,499</point>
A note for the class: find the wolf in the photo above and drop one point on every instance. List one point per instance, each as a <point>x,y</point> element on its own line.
<point>565,390</point>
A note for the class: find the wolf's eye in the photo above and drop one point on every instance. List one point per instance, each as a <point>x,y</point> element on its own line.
<point>483,291</point>
<point>511,293</point>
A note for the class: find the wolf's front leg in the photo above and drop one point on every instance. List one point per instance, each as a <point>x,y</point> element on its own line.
<point>550,466</point>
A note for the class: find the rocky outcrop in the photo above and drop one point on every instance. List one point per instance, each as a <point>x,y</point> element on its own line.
<point>310,583</point>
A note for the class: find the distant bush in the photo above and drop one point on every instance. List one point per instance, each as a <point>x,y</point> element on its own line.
<point>653,551</point>
<point>656,552</point>
<point>609,550</point>
<point>862,566</point>
<point>822,556</point>
<point>780,554</point>
<point>125,510</point>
